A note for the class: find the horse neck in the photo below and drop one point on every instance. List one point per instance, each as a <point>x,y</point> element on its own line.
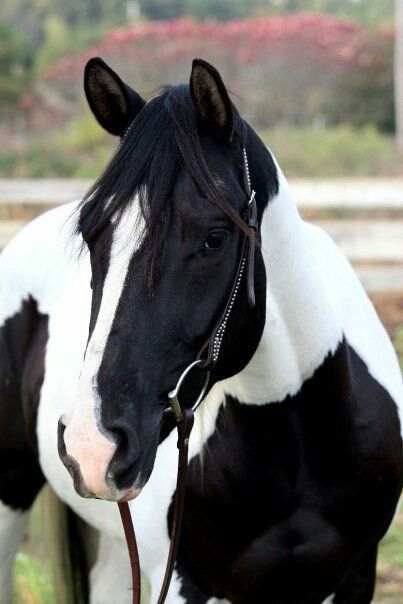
<point>301,327</point>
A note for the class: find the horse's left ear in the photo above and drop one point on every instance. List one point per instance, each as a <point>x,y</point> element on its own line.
<point>114,103</point>
<point>211,98</point>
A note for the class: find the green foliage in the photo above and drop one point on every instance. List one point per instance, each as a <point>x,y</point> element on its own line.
<point>74,13</point>
<point>33,580</point>
<point>392,546</point>
<point>56,41</point>
<point>32,567</point>
<point>365,96</point>
<point>223,10</point>
<point>77,12</point>
<point>82,151</point>
<point>371,12</point>
<point>33,35</point>
<point>162,9</point>
<point>37,160</point>
<point>83,134</point>
<point>45,30</point>
<point>367,11</point>
<point>13,48</point>
<point>340,151</point>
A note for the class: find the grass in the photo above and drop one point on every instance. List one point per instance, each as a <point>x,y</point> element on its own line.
<point>82,149</point>
<point>32,568</point>
<point>33,579</point>
<point>390,566</point>
<point>335,152</point>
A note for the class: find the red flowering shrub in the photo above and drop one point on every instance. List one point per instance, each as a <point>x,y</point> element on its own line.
<point>294,69</point>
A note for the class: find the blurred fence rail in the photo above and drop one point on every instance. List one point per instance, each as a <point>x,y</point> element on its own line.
<point>317,197</point>
<point>363,215</point>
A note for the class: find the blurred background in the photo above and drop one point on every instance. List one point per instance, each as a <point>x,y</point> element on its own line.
<point>318,84</point>
<point>320,80</point>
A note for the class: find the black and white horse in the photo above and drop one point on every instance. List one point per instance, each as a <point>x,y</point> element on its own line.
<point>296,456</point>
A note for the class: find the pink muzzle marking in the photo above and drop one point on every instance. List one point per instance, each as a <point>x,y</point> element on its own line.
<point>91,450</point>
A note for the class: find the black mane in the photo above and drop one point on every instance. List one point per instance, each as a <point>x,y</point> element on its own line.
<point>162,139</point>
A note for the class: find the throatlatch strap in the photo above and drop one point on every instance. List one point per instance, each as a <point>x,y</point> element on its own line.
<point>185,426</point>
<point>252,223</point>
<point>210,350</point>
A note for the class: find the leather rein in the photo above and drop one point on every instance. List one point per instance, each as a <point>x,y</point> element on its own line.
<point>184,416</point>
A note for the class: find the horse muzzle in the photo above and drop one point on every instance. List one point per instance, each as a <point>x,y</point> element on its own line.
<point>87,455</point>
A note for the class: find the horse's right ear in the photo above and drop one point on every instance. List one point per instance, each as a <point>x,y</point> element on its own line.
<point>114,104</point>
<point>211,99</point>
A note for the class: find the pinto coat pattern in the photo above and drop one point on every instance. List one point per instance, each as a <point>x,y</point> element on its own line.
<point>296,456</point>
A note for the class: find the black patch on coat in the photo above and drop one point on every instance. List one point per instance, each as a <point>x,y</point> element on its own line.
<point>23,340</point>
<point>293,497</point>
<point>359,585</point>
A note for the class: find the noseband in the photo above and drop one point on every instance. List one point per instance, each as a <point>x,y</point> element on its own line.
<point>184,416</point>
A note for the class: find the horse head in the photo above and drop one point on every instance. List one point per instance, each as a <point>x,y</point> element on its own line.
<point>164,225</point>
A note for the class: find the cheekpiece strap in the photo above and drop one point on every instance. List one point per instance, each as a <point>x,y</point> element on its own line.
<point>210,351</point>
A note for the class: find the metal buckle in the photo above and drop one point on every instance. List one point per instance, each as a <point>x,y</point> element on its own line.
<point>173,395</point>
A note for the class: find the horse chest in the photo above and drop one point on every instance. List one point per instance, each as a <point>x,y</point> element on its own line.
<point>245,483</point>
<point>322,448</point>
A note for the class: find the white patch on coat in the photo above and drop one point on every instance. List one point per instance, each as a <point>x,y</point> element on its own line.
<point>13,524</point>
<point>356,313</point>
<point>85,440</point>
<point>301,326</point>
<point>111,573</point>
<point>173,595</point>
<point>314,297</point>
<point>35,262</point>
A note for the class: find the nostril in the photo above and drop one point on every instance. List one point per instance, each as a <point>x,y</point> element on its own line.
<point>121,469</point>
<point>61,428</point>
<point>126,440</point>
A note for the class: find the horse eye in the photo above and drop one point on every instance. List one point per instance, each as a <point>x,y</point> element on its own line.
<point>91,284</point>
<point>215,240</point>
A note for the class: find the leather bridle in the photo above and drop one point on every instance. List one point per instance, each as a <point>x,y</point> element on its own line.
<point>184,416</point>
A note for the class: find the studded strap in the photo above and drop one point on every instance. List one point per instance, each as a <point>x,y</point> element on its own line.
<point>210,351</point>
